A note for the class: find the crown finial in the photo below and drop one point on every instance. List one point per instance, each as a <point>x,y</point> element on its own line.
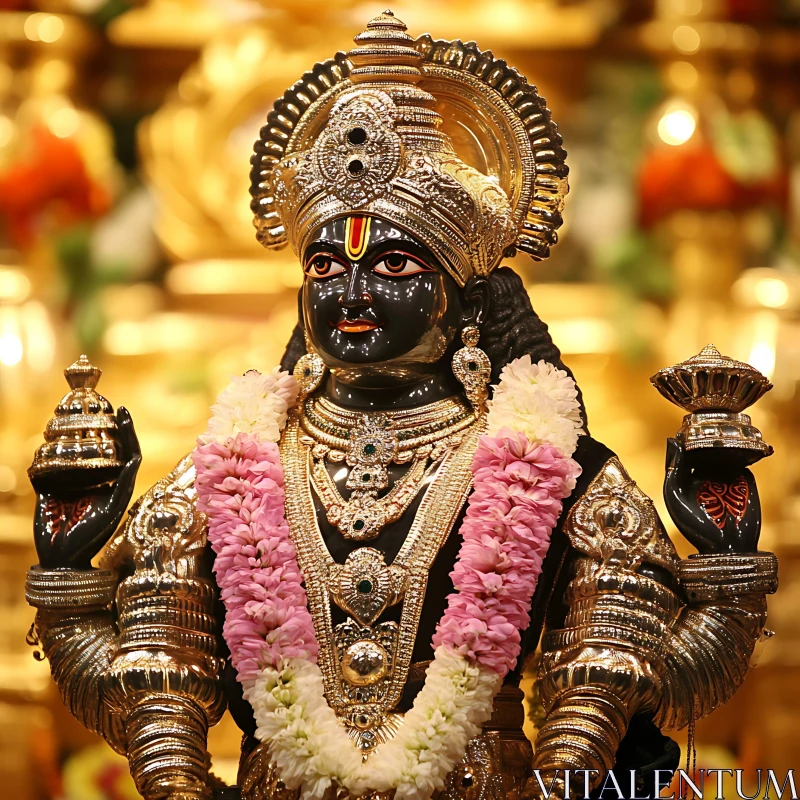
<point>82,374</point>
<point>710,351</point>
<point>385,52</point>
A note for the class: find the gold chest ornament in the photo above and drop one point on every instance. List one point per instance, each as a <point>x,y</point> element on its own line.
<point>365,663</point>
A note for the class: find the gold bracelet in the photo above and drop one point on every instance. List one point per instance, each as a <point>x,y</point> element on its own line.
<point>715,577</point>
<point>65,589</point>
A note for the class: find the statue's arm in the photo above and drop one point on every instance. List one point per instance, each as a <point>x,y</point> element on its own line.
<point>145,675</point>
<point>75,622</point>
<point>165,676</point>
<point>644,631</point>
<point>708,650</point>
<point>75,629</point>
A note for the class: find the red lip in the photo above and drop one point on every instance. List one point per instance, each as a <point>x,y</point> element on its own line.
<point>356,326</point>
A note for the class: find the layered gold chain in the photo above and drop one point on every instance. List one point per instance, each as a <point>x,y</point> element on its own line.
<point>365,663</point>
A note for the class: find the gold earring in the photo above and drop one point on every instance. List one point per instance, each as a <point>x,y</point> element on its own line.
<point>309,372</point>
<point>472,368</point>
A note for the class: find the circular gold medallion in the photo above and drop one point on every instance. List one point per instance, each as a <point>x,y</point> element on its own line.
<point>364,663</point>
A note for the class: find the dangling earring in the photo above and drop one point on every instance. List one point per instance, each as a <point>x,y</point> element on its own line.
<point>309,372</point>
<point>472,368</point>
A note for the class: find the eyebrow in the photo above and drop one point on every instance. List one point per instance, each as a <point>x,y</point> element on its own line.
<point>322,246</point>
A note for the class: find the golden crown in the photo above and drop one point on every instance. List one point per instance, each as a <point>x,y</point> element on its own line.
<point>439,137</point>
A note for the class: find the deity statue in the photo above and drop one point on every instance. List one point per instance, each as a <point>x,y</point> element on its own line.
<point>371,541</point>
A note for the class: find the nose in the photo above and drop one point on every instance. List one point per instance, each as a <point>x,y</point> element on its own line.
<point>348,300</point>
<point>355,295</point>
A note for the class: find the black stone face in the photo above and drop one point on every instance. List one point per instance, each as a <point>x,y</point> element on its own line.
<point>394,312</point>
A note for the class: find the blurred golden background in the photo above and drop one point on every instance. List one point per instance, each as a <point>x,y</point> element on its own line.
<point>125,133</point>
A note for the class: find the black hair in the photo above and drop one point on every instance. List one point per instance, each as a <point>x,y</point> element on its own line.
<point>295,348</point>
<point>513,329</point>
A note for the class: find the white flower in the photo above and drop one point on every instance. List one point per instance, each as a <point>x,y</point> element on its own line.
<point>538,400</point>
<point>307,744</point>
<point>311,749</point>
<point>454,702</point>
<point>253,403</point>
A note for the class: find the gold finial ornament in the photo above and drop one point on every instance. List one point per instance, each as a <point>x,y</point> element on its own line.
<point>80,446</point>
<point>439,137</point>
<point>715,390</point>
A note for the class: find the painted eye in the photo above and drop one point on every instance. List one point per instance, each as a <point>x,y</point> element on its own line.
<point>400,264</point>
<point>323,266</point>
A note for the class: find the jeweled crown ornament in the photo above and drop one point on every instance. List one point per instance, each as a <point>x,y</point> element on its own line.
<point>439,137</point>
<point>80,445</point>
<point>716,390</point>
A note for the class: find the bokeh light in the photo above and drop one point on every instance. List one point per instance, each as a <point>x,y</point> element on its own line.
<point>677,126</point>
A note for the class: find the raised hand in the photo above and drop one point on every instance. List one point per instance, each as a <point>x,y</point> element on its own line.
<point>714,504</point>
<point>71,526</point>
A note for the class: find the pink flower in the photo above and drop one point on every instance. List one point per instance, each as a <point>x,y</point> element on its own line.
<point>518,491</point>
<point>240,487</point>
<point>519,487</point>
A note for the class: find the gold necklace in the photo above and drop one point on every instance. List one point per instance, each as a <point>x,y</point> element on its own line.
<point>330,425</point>
<point>364,515</point>
<point>365,664</point>
<point>370,442</point>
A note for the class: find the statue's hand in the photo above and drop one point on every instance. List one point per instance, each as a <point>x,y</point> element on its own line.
<point>71,527</point>
<point>716,509</point>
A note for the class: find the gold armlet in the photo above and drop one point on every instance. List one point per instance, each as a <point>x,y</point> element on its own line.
<point>718,577</point>
<point>708,650</point>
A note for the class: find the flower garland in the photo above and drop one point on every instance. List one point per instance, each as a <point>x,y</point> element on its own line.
<point>521,475</point>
